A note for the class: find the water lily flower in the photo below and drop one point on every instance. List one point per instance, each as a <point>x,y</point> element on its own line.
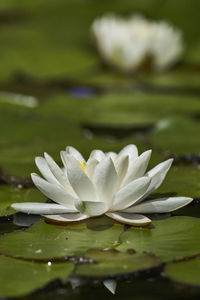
<point>116,185</point>
<point>128,43</point>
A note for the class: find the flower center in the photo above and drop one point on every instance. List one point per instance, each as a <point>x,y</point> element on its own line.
<point>84,166</point>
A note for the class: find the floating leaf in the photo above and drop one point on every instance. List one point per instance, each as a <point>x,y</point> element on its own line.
<point>181,181</point>
<point>18,277</point>
<point>177,136</point>
<point>186,272</point>
<point>45,241</point>
<point>10,195</point>
<point>178,80</point>
<point>168,239</point>
<point>122,107</point>
<point>114,263</point>
<point>39,129</point>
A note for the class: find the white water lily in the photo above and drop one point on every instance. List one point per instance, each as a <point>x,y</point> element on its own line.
<point>116,185</point>
<point>128,43</point>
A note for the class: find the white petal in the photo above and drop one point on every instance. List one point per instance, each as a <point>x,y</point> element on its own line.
<point>66,218</point>
<point>137,167</point>
<point>91,165</point>
<point>121,166</point>
<point>157,175</point>
<point>132,219</point>
<point>53,191</point>
<point>45,170</point>
<point>130,194</point>
<point>105,179</point>
<point>58,173</point>
<point>64,155</point>
<point>162,205</point>
<point>80,182</point>
<point>72,151</point>
<point>130,150</point>
<point>91,208</point>
<point>97,154</point>
<point>111,285</point>
<point>42,208</point>
<point>112,155</point>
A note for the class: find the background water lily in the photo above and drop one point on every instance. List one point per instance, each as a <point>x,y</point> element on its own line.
<point>107,183</point>
<point>128,43</point>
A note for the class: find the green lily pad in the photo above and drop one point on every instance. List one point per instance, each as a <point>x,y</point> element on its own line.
<point>169,239</point>
<point>34,134</point>
<point>43,130</point>
<point>45,241</point>
<point>177,136</point>
<point>114,263</point>
<point>20,277</point>
<point>181,181</point>
<point>70,59</point>
<point>186,272</point>
<point>40,127</point>
<point>122,108</point>
<point>46,129</point>
<point>178,80</point>
<point>10,195</point>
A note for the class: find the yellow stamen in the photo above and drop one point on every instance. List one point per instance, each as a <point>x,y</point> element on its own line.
<point>84,166</point>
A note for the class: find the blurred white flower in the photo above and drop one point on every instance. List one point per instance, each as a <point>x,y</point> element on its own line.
<point>128,43</point>
<point>108,183</point>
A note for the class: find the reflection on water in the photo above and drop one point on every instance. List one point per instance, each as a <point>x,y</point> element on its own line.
<point>155,288</point>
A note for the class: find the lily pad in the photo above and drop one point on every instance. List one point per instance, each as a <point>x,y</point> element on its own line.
<point>20,277</point>
<point>169,239</point>
<point>45,241</point>
<point>114,263</point>
<point>178,80</point>
<point>177,136</point>
<point>186,272</point>
<point>34,134</point>
<point>137,108</point>
<point>10,195</point>
<point>39,129</point>
<point>181,181</point>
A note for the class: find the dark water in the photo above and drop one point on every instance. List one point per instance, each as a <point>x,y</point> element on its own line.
<point>153,288</point>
